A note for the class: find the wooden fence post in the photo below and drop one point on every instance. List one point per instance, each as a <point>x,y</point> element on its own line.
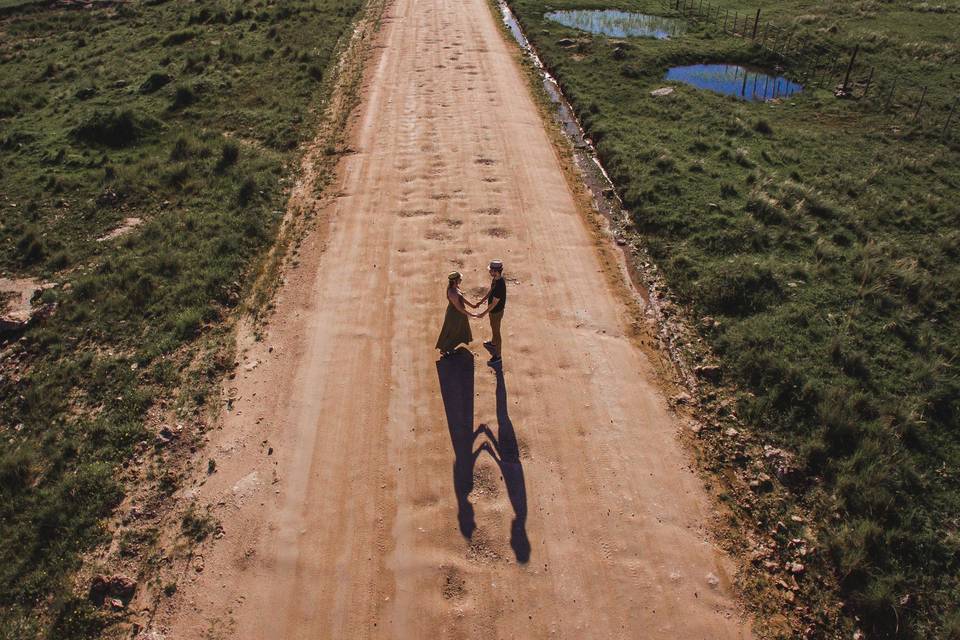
<point>946,126</point>
<point>886,107</point>
<point>766,29</point>
<point>756,23</point>
<point>846,77</point>
<point>919,106</point>
<point>725,14</point>
<point>866,89</point>
<point>700,8</point>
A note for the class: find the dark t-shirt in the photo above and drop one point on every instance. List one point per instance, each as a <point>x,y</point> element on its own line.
<point>499,290</point>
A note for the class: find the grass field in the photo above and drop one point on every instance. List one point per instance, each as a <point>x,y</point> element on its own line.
<point>821,236</point>
<point>188,117</point>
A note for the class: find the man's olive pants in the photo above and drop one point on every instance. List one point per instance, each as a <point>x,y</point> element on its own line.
<point>495,319</point>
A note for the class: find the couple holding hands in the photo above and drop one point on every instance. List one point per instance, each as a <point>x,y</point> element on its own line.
<point>456,323</point>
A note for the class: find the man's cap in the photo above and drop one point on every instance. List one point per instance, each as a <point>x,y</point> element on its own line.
<point>496,265</point>
<point>454,275</point>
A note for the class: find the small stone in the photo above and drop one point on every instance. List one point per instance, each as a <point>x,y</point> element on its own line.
<point>662,91</point>
<point>165,436</point>
<point>731,432</point>
<point>104,590</point>
<point>709,372</point>
<point>17,311</point>
<point>98,590</point>
<point>713,580</point>
<point>121,585</point>
<point>796,568</point>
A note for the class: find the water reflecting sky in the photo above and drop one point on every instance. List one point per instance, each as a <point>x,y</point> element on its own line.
<point>734,80</point>
<point>618,24</point>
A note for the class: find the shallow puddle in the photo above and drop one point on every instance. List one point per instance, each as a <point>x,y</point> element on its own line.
<point>735,80</point>
<point>618,24</point>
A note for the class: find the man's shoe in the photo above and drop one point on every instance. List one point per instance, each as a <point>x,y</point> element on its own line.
<point>494,360</point>
<point>488,343</point>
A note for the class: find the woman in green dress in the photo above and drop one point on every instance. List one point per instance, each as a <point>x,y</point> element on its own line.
<point>456,323</point>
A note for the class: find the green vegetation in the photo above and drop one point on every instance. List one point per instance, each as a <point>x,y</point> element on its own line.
<point>188,117</point>
<point>197,526</point>
<point>822,236</point>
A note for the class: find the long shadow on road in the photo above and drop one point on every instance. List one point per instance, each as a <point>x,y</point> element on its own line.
<point>456,375</point>
<point>506,452</point>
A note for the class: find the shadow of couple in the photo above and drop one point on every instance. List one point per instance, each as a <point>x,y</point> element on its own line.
<point>456,375</point>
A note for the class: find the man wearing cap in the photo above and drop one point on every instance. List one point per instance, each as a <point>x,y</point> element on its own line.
<point>496,301</point>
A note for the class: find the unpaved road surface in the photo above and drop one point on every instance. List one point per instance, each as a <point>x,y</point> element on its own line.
<point>366,490</point>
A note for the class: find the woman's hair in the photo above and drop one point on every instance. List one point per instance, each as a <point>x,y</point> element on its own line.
<point>453,278</point>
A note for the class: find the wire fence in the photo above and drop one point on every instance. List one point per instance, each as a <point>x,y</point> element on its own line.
<point>814,63</point>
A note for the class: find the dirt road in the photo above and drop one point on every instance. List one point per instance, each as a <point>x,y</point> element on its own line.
<point>367,490</point>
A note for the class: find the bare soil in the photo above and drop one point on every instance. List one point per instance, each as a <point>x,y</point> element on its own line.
<point>366,489</point>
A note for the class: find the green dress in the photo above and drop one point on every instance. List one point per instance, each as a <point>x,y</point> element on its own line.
<point>456,329</point>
